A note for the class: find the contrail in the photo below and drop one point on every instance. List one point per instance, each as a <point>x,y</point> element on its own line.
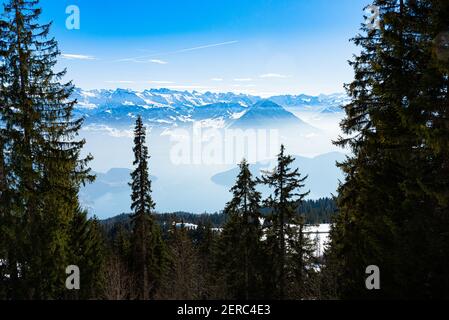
<point>135,59</point>
<point>206,46</point>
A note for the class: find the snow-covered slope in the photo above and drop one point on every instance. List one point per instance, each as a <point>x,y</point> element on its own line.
<point>189,161</point>
<point>167,107</point>
<point>269,115</point>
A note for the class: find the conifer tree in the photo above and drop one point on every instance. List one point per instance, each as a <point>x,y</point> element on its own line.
<point>183,279</point>
<point>302,277</point>
<point>119,281</point>
<point>88,242</point>
<point>206,245</point>
<point>41,154</point>
<point>286,184</point>
<point>4,224</point>
<point>241,239</point>
<point>148,250</point>
<point>395,191</point>
<point>121,243</point>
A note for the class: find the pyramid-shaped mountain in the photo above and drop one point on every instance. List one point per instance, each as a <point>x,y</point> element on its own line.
<point>266,114</point>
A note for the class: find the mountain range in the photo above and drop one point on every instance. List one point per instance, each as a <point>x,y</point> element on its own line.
<point>167,108</point>
<point>200,180</point>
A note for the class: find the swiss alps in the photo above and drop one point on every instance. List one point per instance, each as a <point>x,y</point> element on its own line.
<point>166,108</point>
<point>306,125</point>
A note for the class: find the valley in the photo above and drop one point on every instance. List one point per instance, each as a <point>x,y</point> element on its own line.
<point>197,139</point>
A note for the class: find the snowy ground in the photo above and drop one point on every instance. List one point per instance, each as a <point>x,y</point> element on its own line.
<point>320,233</point>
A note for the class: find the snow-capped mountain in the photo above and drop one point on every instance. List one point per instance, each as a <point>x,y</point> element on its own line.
<point>268,115</point>
<point>185,156</point>
<point>322,103</point>
<point>165,107</point>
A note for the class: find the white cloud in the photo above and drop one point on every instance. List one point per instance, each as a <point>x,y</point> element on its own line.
<point>244,86</point>
<point>161,82</point>
<point>69,56</point>
<point>157,61</point>
<point>216,79</point>
<point>273,75</point>
<point>120,81</point>
<point>268,94</point>
<point>243,79</point>
<point>116,133</point>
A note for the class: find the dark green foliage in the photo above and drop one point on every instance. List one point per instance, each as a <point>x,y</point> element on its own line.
<point>314,211</point>
<point>148,251</point>
<point>240,247</point>
<point>394,201</point>
<point>183,279</point>
<point>216,220</point>
<point>393,205</point>
<point>89,254</point>
<point>206,241</point>
<point>302,276</point>
<point>40,165</point>
<point>238,261</point>
<point>319,211</point>
<point>282,227</point>
<point>121,241</point>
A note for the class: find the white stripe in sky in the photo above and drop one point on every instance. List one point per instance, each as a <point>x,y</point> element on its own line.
<point>207,46</point>
<point>77,56</point>
<point>157,61</point>
<point>139,59</point>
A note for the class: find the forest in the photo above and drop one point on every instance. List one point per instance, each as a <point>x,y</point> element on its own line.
<point>391,211</point>
<point>315,212</point>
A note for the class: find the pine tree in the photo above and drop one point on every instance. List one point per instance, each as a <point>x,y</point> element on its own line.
<point>4,224</point>
<point>241,239</point>
<point>121,244</point>
<point>42,157</point>
<point>392,201</point>
<point>283,205</point>
<point>119,281</point>
<point>302,276</point>
<point>183,280</point>
<point>206,245</point>
<point>330,276</point>
<point>89,255</point>
<point>148,250</point>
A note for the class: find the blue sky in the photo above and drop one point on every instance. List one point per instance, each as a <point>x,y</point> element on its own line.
<point>263,47</point>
